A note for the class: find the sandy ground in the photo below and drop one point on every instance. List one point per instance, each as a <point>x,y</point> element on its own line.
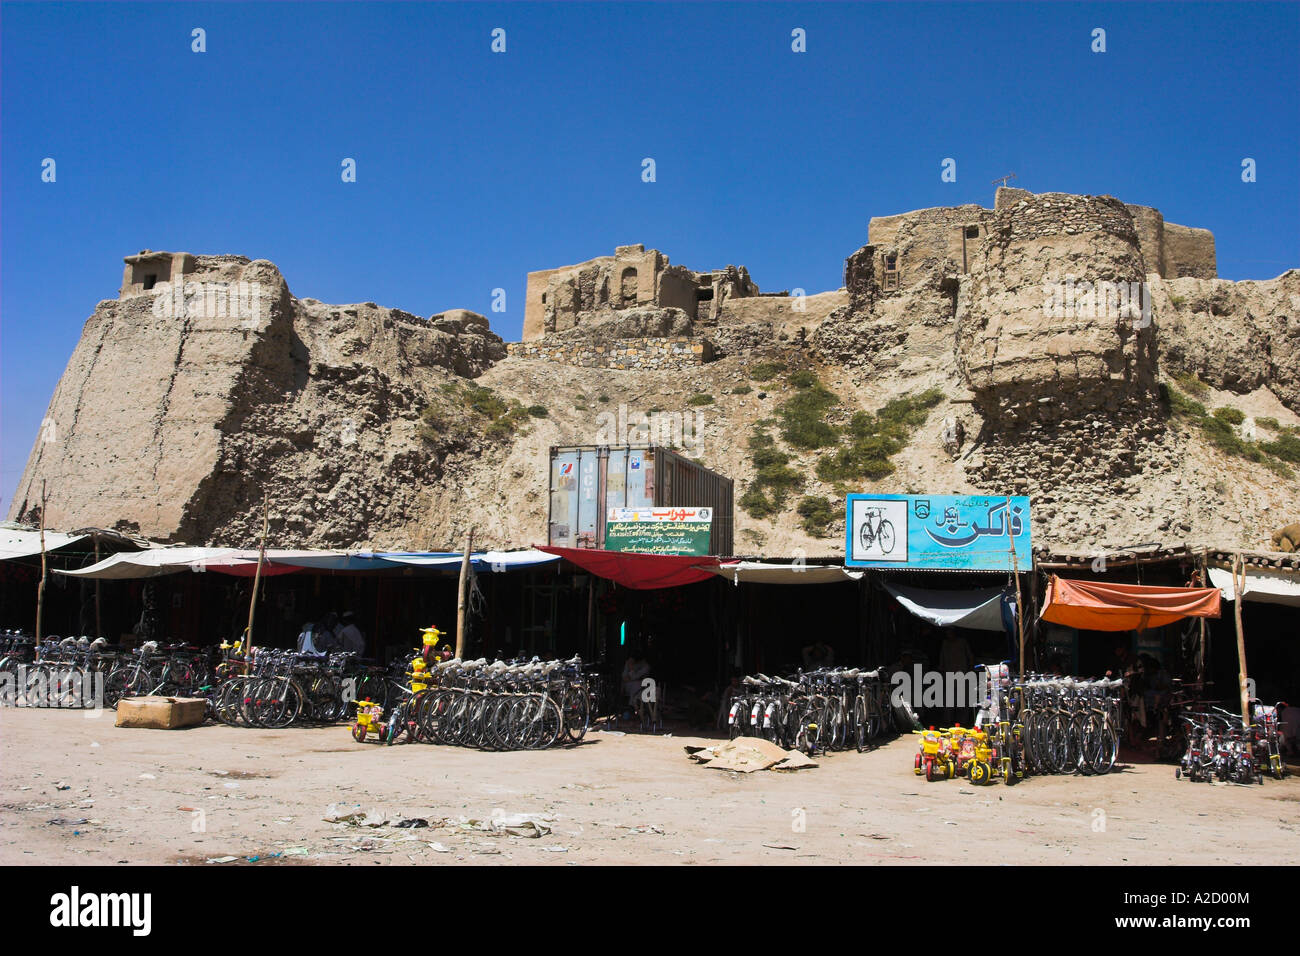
<point>133,796</point>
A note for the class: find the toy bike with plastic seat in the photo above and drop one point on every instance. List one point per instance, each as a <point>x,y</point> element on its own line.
<point>974,754</point>
<point>935,759</point>
<point>370,721</point>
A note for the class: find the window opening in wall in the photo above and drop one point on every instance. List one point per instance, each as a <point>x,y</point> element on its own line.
<point>150,280</point>
<point>627,287</point>
<point>972,232</point>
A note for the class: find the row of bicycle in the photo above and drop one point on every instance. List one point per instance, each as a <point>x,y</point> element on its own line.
<point>80,672</point>
<point>814,711</point>
<point>500,705</point>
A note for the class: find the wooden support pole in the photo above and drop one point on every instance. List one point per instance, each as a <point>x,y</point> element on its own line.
<point>1205,629</point>
<point>99,619</point>
<point>40,588</point>
<point>1238,589</point>
<point>257,580</point>
<point>461,599</point>
<point>1020,611</point>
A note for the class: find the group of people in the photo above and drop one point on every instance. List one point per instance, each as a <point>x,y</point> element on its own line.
<point>332,634</point>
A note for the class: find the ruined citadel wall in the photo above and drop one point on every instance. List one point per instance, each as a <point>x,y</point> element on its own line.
<point>183,401</point>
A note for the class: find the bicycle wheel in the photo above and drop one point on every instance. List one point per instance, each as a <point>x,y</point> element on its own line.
<point>860,727</point>
<point>277,703</point>
<point>1109,750</point>
<point>577,713</point>
<point>885,535</point>
<point>551,722</point>
<point>736,715</point>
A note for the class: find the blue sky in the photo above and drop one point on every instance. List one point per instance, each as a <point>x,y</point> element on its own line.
<point>474,168</point>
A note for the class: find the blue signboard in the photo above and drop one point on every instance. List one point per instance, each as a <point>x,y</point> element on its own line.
<point>940,532</point>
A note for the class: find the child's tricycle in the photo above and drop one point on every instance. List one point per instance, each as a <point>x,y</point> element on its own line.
<point>370,720</point>
<point>935,757</point>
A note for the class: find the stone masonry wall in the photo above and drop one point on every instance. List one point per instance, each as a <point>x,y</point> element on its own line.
<point>665,353</point>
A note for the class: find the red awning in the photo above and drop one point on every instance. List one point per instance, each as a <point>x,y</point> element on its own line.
<point>641,571</point>
<point>244,568</point>
<point>1098,606</point>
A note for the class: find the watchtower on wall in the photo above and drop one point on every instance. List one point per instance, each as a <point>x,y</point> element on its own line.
<point>149,270</point>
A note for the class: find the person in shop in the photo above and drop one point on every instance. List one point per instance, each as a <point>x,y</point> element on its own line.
<point>719,702</point>
<point>307,638</point>
<point>1121,662</point>
<point>350,636</point>
<point>635,669</point>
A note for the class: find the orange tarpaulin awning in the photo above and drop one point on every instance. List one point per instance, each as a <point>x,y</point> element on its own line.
<point>1098,606</point>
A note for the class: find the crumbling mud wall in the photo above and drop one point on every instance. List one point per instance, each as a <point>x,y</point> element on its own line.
<point>183,402</point>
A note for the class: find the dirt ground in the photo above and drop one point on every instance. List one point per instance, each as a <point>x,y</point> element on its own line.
<point>75,790</point>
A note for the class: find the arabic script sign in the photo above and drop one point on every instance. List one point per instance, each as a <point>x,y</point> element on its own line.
<point>940,532</point>
<point>659,530</point>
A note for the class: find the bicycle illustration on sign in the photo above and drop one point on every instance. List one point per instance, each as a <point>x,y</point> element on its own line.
<point>879,530</point>
<point>875,528</point>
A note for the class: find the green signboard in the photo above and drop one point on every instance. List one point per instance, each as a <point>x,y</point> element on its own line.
<point>658,537</point>
<point>665,530</point>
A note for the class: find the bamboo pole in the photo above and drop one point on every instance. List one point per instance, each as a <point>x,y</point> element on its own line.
<point>1238,588</point>
<point>257,580</point>
<point>40,588</point>
<point>461,598</point>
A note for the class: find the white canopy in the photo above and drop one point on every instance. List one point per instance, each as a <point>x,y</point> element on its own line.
<point>15,543</point>
<point>978,608</point>
<point>760,572</point>
<point>156,562</point>
<point>1267,585</point>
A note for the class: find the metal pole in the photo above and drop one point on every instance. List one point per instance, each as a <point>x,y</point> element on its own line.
<point>460,600</point>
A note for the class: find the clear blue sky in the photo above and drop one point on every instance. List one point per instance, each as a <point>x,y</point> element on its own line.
<point>474,167</point>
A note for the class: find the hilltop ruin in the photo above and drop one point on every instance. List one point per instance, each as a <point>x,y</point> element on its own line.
<point>206,383</point>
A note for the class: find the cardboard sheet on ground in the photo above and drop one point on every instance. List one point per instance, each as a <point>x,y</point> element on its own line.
<point>747,754</point>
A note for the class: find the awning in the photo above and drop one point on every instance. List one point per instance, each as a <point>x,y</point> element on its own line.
<point>21,544</point>
<point>481,560</point>
<point>1265,585</point>
<point>157,562</point>
<point>640,571</point>
<point>761,572</point>
<point>978,608</point>
<point>1097,606</point>
<point>243,563</point>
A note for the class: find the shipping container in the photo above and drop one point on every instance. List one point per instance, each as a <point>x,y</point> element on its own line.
<point>587,480</point>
